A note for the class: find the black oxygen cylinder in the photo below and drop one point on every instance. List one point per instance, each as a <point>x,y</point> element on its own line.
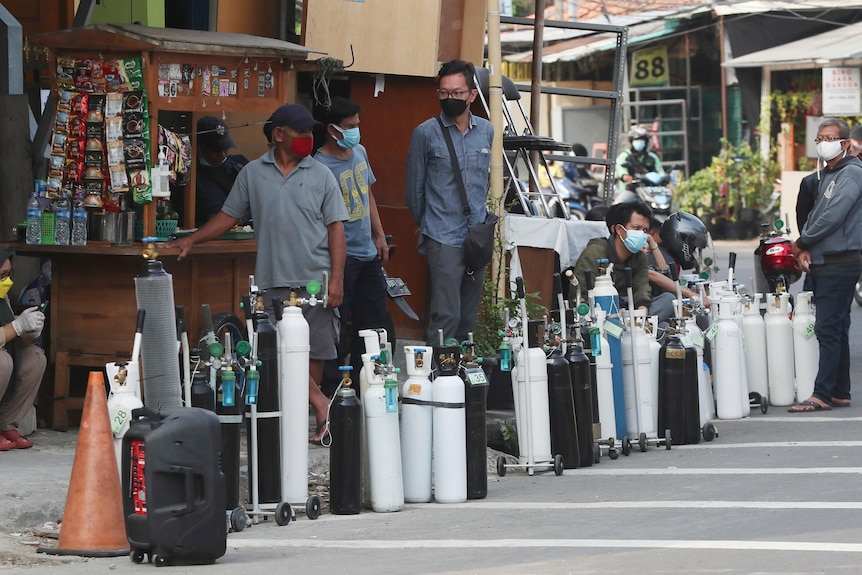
<point>586,342</point>
<point>691,401</point>
<point>582,393</point>
<point>475,396</point>
<point>268,401</point>
<point>671,388</point>
<point>345,466</point>
<point>231,418</point>
<point>564,430</point>
<point>203,395</point>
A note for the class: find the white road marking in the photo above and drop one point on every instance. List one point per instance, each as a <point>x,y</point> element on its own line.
<point>365,544</point>
<point>716,471</point>
<point>762,444</point>
<point>519,505</point>
<point>801,418</point>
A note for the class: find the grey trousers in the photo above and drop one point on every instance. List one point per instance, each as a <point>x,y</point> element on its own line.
<point>455,294</point>
<point>15,404</point>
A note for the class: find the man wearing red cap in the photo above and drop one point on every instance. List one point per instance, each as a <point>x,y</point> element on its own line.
<point>298,213</point>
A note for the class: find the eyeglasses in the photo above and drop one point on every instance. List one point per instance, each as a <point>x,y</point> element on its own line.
<point>6,274</point>
<point>458,94</point>
<point>828,139</point>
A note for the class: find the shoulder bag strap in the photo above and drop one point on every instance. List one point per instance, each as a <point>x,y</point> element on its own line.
<point>456,169</point>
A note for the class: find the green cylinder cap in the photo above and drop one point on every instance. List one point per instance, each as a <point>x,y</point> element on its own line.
<point>243,348</point>
<point>252,374</point>
<point>704,275</point>
<point>313,287</point>
<point>583,309</point>
<point>384,356</point>
<point>216,349</point>
<point>228,375</point>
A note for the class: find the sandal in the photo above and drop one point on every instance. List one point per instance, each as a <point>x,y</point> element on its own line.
<point>17,440</point>
<point>808,406</point>
<point>321,432</point>
<point>5,444</point>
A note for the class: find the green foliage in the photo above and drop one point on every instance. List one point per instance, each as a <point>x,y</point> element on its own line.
<point>737,178</point>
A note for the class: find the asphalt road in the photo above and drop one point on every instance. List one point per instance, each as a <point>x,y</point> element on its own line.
<point>774,493</point>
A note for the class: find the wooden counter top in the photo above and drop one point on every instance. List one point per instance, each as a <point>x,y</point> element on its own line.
<point>134,250</point>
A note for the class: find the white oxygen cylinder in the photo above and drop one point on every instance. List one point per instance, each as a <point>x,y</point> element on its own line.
<point>637,378</point>
<point>706,400</point>
<point>779,349</point>
<point>293,348</point>
<point>745,401</point>
<point>416,425</point>
<point>604,382</point>
<point>125,396</point>
<point>754,334</point>
<point>384,450</point>
<point>728,361</point>
<point>536,382</point>
<point>654,350</point>
<point>450,428</point>
<point>806,351</point>
<point>372,349</point>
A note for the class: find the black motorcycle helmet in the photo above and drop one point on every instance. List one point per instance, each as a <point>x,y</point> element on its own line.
<point>682,234</point>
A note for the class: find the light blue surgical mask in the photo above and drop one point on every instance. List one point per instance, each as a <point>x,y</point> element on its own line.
<point>349,138</point>
<point>635,240</point>
<point>639,145</point>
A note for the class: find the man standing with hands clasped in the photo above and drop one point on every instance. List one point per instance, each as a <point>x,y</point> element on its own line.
<point>829,249</point>
<point>434,200</point>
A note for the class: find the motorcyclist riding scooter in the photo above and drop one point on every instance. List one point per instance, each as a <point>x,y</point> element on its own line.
<point>641,175</point>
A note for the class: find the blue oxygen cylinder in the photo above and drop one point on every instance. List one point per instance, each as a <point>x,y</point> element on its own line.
<point>607,298</point>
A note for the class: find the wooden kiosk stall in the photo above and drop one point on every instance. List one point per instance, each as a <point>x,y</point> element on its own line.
<point>92,299</point>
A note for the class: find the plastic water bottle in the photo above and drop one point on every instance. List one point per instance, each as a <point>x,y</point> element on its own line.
<point>79,224</point>
<point>63,221</point>
<point>34,220</point>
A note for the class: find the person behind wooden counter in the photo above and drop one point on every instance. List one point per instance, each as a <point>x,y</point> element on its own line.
<point>298,211</point>
<point>216,170</point>
<point>22,364</point>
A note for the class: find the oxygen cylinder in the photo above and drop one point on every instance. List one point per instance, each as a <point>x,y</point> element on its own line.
<point>203,395</point>
<point>654,351</point>
<point>728,361</point>
<point>372,348</point>
<point>345,453</point>
<point>779,349</point>
<point>582,393</point>
<point>589,331</point>
<point>637,377</point>
<point>531,357</point>
<point>124,397</point>
<point>416,421</point>
<point>564,430</point>
<point>600,350</point>
<point>744,400</point>
<point>293,348</point>
<point>672,383</point>
<point>606,297</point>
<point>806,351</point>
<point>754,334</point>
<point>476,423</point>
<point>449,428</point>
<point>268,408</point>
<point>384,443</point>
<point>706,400</point>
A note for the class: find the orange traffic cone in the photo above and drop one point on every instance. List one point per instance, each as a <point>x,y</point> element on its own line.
<point>93,522</point>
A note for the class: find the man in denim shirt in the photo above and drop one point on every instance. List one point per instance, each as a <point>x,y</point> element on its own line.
<point>432,196</point>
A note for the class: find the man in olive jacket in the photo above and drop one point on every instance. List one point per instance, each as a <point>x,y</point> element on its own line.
<point>628,224</point>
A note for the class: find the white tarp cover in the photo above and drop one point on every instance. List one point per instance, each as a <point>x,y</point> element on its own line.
<point>838,46</point>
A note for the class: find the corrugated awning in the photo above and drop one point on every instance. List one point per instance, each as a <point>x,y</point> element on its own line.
<point>838,46</point>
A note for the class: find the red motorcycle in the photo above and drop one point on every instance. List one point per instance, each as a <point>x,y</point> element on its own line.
<point>775,254</point>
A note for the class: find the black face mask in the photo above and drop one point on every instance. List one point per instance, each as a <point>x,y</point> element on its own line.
<point>453,107</point>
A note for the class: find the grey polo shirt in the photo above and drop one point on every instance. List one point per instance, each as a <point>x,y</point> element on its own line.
<point>291,215</point>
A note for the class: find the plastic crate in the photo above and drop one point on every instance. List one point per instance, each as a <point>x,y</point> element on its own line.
<point>164,229</point>
<point>48,225</point>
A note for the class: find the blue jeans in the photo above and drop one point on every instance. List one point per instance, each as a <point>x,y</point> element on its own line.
<point>832,328</point>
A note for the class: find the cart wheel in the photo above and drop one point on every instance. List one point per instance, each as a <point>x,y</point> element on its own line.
<point>312,507</point>
<point>159,560</point>
<point>558,464</point>
<point>238,519</point>
<point>283,513</point>
<point>136,556</point>
<point>764,405</point>
<point>597,453</point>
<point>501,466</point>
<point>667,443</point>
<point>708,431</point>
<point>627,446</point>
<point>613,453</point>
<point>642,442</point>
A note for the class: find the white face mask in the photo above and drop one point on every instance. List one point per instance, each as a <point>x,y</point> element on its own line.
<point>829,150</point>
